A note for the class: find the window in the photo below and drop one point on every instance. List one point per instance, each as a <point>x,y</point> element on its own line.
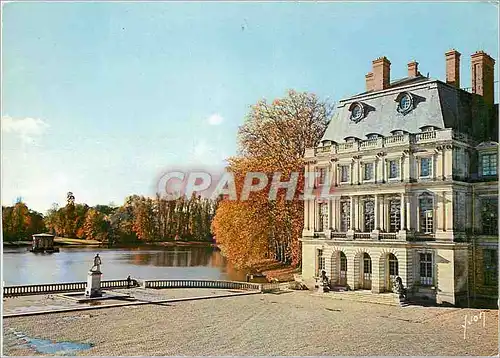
<point>405,103</point>
<point>369,215</point>
<point>428,129</point>
<point>425,167</point>
<point>367,264</point>
<point>356,112</point>
<point>490,262</point>
<point>426,206</point>
<point>426,269</point>
<point>323,216</point>
<point>489,215</point>
<point>372,136</point>
<point>489,164</point>
<point>322,176</point>
<point>345,216</point>
<point>395,214</point>
<point>344,173</point>
<point>393,169</point>
<point>368,173</point>
<point>321,262</point>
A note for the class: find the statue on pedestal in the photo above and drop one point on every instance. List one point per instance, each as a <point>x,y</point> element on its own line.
<point>93,288</point>
<point>97,264</point>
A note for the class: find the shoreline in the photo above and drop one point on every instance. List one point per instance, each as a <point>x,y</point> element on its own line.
<point>59,241</point>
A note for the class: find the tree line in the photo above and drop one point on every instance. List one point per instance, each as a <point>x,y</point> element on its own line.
<point>139,219</point>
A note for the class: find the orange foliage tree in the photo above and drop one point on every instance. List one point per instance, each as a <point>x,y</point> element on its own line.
<point>272,139</point>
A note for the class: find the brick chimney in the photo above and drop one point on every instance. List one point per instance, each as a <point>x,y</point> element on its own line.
<point>482,76</point>
<point>381,73</point>
<point>369,81</point>
<point>413,69</point>
<point>453,68</point>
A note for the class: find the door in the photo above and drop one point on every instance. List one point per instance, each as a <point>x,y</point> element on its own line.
<point>392,263</point>
<point>343,270</point>
<point>367,272</point>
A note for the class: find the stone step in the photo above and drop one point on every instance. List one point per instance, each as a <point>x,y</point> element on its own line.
<point>364,296</point>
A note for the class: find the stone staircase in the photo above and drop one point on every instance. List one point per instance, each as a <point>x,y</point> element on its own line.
<point>387,298</point>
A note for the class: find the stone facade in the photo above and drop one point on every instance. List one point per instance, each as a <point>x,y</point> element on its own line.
<point>413,178</point>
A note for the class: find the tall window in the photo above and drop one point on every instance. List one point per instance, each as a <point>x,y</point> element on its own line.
<point>425,167</point>
<point>490,262</point>
<point>426,269</point>
<point>393,169</point>
<point>369,215</point>
<point>489,164</point>
<point>345,216</point>
<point>323,214</point>
<point>395,215</point>
<point>368,173</point>
<point>489,215</point>
<point>344,173</point>
<point>426,213</point>
<point>321,262</point>
<point>322,176</point>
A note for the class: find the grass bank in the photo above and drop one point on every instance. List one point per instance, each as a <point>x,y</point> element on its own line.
<point>274,270</point>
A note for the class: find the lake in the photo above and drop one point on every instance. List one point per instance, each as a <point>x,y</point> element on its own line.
<point>21,267</point>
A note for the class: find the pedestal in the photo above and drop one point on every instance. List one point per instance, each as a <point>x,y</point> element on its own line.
<point>93,288</point>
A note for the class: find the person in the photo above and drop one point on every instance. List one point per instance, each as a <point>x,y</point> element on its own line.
<point>129,281</point>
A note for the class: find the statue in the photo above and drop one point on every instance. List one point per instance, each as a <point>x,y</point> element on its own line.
<point>399,288</point>
<point>324,285</point>
<point>97,264</point>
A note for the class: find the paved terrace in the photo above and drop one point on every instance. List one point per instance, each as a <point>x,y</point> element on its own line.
<point>290,323</point>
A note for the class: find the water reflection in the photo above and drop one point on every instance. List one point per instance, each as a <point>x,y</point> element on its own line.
<point>72,264</point>
<point>176,257</point>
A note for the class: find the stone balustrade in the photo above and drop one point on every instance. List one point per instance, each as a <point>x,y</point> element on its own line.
<point>391,141</point>
<point>235,285</point>
<point>41,289</point>
<point>380,236</point>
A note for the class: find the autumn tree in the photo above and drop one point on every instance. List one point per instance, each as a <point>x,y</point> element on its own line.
<point>273,138</point>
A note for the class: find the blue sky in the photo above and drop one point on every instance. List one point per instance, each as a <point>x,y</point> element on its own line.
<point>100,98</point>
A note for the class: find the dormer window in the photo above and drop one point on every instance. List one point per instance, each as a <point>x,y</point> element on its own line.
<point>373,136</point>
<point>357,112</point>
<point>405,102</point>
<point>351,139</point>
<point>398,132</point>
<point>428,128</point>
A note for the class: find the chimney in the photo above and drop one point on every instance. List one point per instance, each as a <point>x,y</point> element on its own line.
<point>453,68</point>
<point>482,76</point>
<point>413,69</point>
<point>369,81</point>
<point>381,73</point>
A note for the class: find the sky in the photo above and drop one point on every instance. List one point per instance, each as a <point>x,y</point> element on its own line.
<point>101,98</point>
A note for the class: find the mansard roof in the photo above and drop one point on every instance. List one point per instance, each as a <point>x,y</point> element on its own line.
<point>434,103</point>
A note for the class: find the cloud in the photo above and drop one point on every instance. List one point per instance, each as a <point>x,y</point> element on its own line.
<point>215,119</point>
<point>26,128</point>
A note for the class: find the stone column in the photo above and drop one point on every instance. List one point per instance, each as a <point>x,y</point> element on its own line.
<point>402,213</point>
<point>351,213</point>
<point>334,172</point>
<point>407,167</point>
<point>306,214</point>
<point>377,218</point>
<point>409,201</point>
<point>350,272</point>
